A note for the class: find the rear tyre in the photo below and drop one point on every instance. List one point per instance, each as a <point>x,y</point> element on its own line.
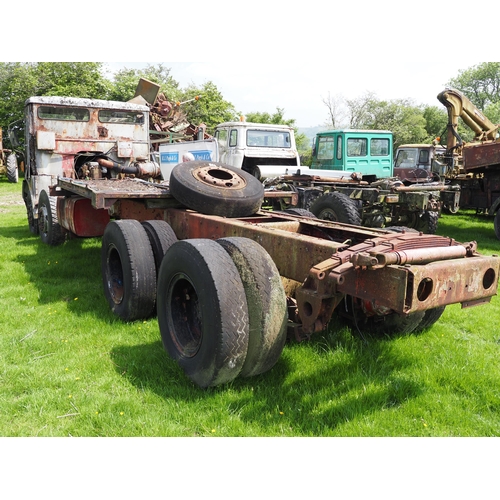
<point>202,311</point>
<point>428,222</point>
<point>430,317</point>
<point>128,270</point>
<point>216,189</point>
<point>497,224</point>
<point>336,207</point>
<point>300,211</point>
<point>266,300</point>
<point>12,170</point>
<point>51,232</point>
<point>379,325</point>
<point>161,236</point>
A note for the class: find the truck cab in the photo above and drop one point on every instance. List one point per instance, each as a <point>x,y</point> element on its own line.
<point>250,146</point>
<point>368,152</point>
<point>419,162</point>
<point>80,139</point>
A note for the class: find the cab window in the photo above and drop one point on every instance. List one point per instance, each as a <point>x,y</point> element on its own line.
<point>63,113</point>
<point>379,147</point>
<point>118,116</point>
<point>406,158</point>
<point>339,147</point>
<point>357,146</point>
<point>325,148</point>
<point>424,156</point>
<point>233,138</point>
<point>221,136</point>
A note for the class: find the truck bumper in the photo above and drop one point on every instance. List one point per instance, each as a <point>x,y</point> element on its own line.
<point>410,288</point>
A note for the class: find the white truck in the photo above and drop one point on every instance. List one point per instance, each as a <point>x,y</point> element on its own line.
<point>256,148</point>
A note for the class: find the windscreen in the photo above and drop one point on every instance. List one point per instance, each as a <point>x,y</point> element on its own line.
<point>268,139</point>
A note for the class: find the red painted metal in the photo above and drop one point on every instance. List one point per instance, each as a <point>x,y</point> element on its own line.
<point>78,216</point>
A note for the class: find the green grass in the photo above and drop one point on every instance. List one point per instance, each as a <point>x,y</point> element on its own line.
<point>68,367</point>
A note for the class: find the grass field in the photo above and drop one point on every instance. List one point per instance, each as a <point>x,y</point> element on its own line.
<point>70,368</point>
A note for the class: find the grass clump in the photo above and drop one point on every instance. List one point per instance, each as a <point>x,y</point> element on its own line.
<point>68,367</point>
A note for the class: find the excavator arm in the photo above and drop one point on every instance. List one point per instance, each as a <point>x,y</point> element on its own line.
<point>459,106</point>
<point>483,151</point>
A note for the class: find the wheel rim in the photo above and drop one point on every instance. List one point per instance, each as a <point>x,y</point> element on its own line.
<point>328,214</point>
<point>184,316</point>
<point>219,176</point>
<point>114,276</point>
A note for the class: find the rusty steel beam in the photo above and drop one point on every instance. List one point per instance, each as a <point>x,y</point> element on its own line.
<point>405,272</point>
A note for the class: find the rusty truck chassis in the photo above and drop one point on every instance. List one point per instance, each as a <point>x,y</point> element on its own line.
<point>391,272</point>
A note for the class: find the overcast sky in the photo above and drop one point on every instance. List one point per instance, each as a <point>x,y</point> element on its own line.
<point>264,86</point>
<point>263,54</point>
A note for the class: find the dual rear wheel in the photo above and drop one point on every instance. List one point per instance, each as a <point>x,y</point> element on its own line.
<point>221,305</point>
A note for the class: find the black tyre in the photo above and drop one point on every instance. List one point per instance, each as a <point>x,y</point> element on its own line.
<point>161,236</point>
<point>128,270</point>
<point>202,311</point>
<point>450,210</point>
<point>336,207</point>
<point>378,325</point>
<point>216,189</point>
<point>430,317</point>
<point>266,301</point>
<point>496,223</point>
<point>300,211</point>
<point>12,171</point>
<point>28,202</point>
<point>427,222</point>
<point>51,232</point>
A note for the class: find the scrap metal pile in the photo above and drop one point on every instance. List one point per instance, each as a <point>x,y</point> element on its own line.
<point>169,123</point>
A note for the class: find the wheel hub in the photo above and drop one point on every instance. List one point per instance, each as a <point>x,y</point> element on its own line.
<point>328,214</point>
<point>219,176</point>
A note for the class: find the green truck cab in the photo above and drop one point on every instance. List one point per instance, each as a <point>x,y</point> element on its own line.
<point>368,152</point>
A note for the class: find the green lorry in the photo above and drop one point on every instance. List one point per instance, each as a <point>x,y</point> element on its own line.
<point>351,180</point>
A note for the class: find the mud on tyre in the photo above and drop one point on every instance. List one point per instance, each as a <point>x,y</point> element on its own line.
<point>266,301</point>
<point>202,311</point>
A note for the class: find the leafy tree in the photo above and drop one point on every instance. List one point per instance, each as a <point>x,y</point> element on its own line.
<point>210,108</point>
<point>492,111</point>
<point>125,82</point>
<point>19,81</point>
<point>480,83</point>
<point>401,116</point>
<point>358,110</point>
<point>277,118</point>
<point>435,122</point>
<point>72,79</point>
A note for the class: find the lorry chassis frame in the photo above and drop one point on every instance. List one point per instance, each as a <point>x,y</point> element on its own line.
<point>328,260</point>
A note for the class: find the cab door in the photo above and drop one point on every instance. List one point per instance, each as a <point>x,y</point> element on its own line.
<point>222,139</point>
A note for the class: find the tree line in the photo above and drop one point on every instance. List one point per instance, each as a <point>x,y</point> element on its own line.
<point>414,123</point>
<point>409,121</point>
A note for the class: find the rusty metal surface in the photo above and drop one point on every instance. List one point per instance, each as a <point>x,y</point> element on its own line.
<point>293,252</point>
<point>105,192</point>
<point>481,155</point>
<point>298,248</point>
<point>404,272</point>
